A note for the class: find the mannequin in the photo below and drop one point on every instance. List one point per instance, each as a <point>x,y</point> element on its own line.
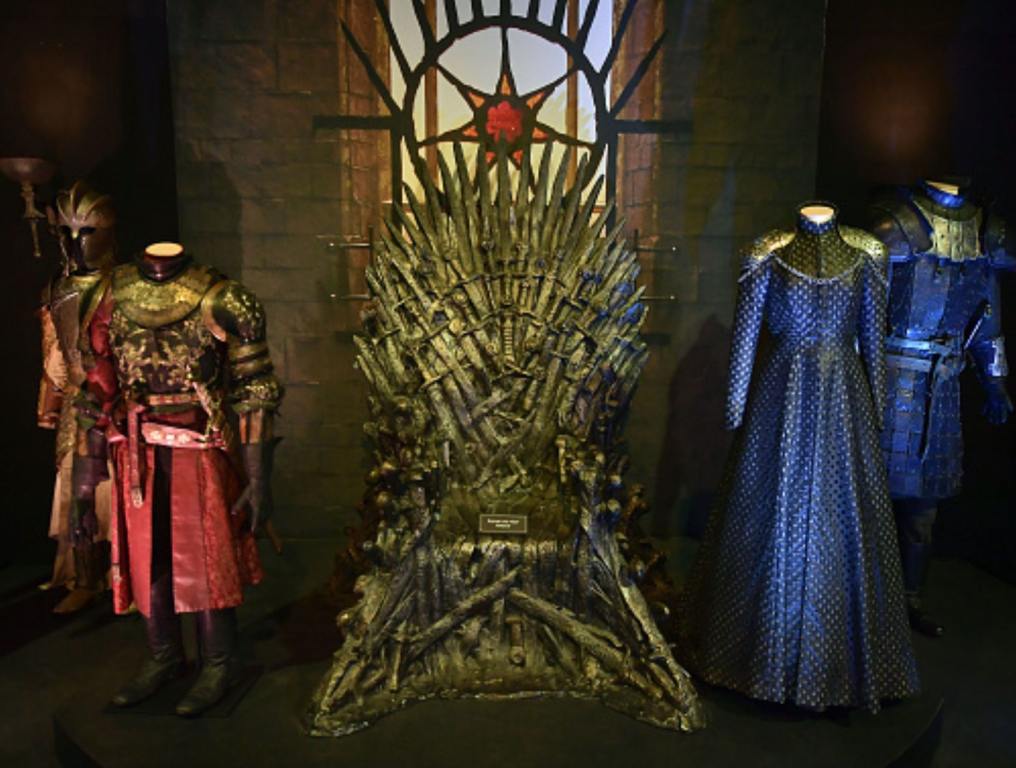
<point>944,308</point>
<point>795,594</point>
<point>178,355</point>
<point>83,221</point>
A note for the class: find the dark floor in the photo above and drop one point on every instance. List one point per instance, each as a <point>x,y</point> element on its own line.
<point>50,664</point>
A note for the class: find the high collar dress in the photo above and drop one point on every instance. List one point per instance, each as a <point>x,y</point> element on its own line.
<point>795,595</point>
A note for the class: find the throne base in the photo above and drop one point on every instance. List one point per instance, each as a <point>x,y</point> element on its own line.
<point>502,617</point>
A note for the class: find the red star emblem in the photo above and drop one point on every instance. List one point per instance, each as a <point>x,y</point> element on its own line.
<point>504,122</point>
<point>505,115</point>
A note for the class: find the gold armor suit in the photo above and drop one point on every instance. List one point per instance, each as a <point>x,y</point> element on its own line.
<point>84,220</point>
<point>181,387</point>
<point>177,358</point>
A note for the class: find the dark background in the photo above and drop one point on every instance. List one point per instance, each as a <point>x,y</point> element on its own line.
<point>85,85</point>
<point>910,89</point>
<point>924,88</point>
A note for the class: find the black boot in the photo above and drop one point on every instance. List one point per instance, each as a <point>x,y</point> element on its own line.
<point>217,634</point>
<point>167,662</point>
<point>916,557</point>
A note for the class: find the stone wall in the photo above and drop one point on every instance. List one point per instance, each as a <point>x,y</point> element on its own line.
<point>269,201</point>
<point>265,198</point>
<point>746,77</point>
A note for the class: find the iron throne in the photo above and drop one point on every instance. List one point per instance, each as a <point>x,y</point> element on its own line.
<point>501,348</point>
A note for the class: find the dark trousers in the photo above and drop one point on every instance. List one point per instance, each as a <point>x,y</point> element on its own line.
<point>915,520</point>
<point>216,628</point>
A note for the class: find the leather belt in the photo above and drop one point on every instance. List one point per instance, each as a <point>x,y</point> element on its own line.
<point>141,432</point>
<point>179,437</point>
<point>929,347</point>
<point>172,398</point>
<point>942,359</point>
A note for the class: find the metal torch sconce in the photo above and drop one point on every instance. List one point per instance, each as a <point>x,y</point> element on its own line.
<point>28,172</point>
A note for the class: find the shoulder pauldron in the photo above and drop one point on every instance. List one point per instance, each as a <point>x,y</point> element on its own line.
<point>864,241</point>
<point>762,247</point>
<point>231,311</point>
<point>899,210</point>
<point>92,297</point>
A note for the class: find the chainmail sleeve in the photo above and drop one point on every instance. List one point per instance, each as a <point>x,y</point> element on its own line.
<point>753,286</point>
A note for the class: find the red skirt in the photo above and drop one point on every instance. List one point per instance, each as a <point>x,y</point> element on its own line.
<point>213,553</point>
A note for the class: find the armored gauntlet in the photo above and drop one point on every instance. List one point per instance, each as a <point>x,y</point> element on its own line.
<point>89,469</point>
<point>258,448</point>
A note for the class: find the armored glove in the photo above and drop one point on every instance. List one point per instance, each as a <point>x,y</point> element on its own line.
<point>87,473</point>
<point>998,406</point>
<point>257,462</point>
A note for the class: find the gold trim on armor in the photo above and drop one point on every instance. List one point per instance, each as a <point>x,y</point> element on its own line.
<point>953,238</point>
<point>77,204</point>
<point>250,367</point>
<point>153,305</point>
<point>865,241</point>
<point>248,350</point>
<point>763,247</point>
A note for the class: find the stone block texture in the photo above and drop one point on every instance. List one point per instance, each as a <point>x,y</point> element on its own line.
<point>269,200</point>
<point>272,202</point>
<point>745,76</point>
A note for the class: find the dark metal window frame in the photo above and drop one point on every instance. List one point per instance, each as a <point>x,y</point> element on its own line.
<point>399,123</point>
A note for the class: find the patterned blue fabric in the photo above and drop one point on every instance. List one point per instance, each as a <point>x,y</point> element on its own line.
<point>795,594</point>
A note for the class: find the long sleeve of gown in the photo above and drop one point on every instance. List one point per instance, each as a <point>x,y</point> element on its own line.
<point>753,286</point>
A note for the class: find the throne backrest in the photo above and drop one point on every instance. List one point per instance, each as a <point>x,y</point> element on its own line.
<point>503,323</point>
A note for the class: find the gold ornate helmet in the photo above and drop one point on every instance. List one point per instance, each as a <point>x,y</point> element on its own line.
<point>84,219</point>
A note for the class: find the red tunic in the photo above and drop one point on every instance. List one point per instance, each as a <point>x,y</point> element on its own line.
<point>212,558</point>
<point>213,553</point>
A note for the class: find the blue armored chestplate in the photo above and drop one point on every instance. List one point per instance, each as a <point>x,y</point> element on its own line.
<point>939,293</point>
<point>943,310</point>
<point>936,299</point>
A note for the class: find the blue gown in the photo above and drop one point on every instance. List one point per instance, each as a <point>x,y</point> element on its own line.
<point>795,594</point>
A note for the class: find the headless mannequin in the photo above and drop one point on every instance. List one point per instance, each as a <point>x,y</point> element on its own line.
<point>817,249</point>
<point>162,262</point>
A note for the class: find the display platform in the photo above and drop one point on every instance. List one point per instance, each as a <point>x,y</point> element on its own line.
<point>265,729</point>
<point>293,641</point>
<point>164,702</point>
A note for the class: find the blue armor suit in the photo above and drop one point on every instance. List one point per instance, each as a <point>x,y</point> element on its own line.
<point>944,258</point>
